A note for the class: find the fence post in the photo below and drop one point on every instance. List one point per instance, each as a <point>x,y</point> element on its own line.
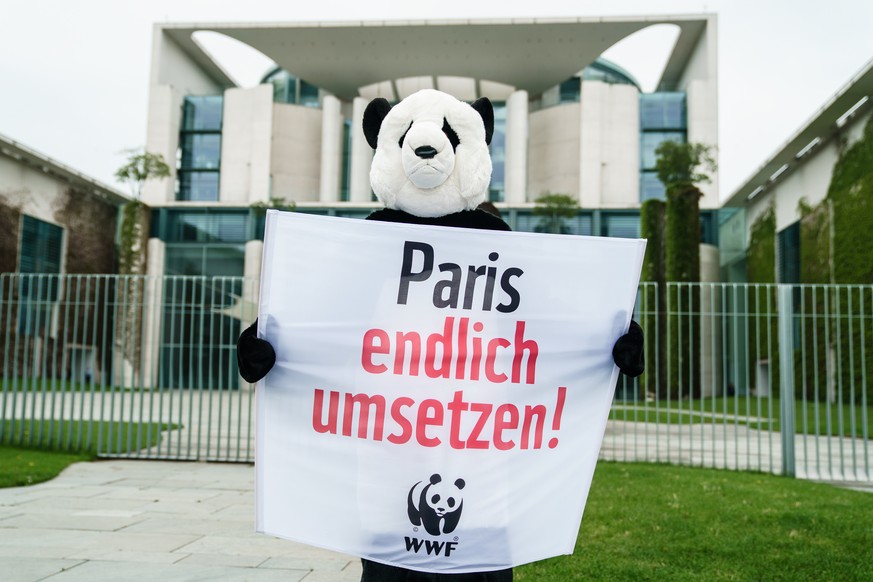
<point>786,375</point>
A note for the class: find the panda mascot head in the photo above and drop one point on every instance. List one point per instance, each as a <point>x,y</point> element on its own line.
<point>431,155</point>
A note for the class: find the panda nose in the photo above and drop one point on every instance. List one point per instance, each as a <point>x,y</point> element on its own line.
<point>425,152</point>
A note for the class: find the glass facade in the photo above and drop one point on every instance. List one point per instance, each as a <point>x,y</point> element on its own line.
<point>662,118</point>
<point>290,89</point>
<point>199,158</point>
<point>497,189</point>
<point>39,251</point>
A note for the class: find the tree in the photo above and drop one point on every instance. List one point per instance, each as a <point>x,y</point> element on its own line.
<point>142,166</point>
<point>680,167</point>
<point>552,210</point>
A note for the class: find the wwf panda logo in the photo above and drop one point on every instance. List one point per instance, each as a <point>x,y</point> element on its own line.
<point>436,504</point>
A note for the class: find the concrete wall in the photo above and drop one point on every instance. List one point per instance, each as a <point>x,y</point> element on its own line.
<point>610,146</point>
<point>295,157</point>
<point>554,151</point>
<point>700,84</point>
<point>246,140</point>
<point>162,137</point>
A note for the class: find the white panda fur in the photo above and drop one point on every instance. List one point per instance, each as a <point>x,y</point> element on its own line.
<point>454,179</point>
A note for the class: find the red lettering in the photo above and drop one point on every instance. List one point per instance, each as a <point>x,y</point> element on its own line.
<point>318,412</point>
<point>501,424</point>
<point>532,413</point>
<point>405,424</point>
<point>364,401</point>
<point>484,410</point>
<point>443,340</point>
<point>490,373</point>
<point>456,407</point>
<point>414,340</point>
<point>370,348</point>
<point>532,349</point>
<point>430,413</point>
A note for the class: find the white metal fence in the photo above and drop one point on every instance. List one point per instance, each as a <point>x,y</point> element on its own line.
<point>749,377</point>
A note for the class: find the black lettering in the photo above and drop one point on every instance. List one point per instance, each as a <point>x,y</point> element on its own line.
<point>413,544</point>
<point>453,285</point>
<point>473,273</point>
<point>406,273</point>
<point>506,285</point>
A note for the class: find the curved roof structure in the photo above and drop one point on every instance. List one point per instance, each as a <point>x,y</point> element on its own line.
<point>528,54</point>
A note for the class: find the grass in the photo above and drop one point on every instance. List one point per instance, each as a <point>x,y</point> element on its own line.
<point>19,466</point>
<point>659,522</point>
<point>55,385</point>
<point>762,413</point>
<point>90,437</point>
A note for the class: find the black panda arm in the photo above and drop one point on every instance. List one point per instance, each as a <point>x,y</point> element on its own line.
<point>628,352</point>
<point>254,356</point>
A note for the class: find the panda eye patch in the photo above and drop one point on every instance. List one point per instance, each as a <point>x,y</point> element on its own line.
<point>435,499</point>
<point>451,501</point>
<point>450,133</point>
<point>403,137</point>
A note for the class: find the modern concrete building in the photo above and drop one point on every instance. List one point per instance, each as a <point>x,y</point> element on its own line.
<point>53,221</point>
<point>567,121</point>
<point>799,171</point>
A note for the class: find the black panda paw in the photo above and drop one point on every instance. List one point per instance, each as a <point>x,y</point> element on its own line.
<point>254,356</point>
<point>628,352</point>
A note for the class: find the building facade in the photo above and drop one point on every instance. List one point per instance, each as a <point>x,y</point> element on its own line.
<point>791,194</point>
<point>54,221</point>
<point>566,122</point>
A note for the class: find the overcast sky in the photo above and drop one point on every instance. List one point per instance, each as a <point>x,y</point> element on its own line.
<point>74,73</point>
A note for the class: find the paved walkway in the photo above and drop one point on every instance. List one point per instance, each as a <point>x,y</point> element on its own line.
<point>125,520</point>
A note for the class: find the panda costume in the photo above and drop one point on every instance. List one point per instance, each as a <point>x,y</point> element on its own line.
<point>431,166</point>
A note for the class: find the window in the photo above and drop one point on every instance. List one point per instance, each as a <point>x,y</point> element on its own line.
<point>620,225</point>
<point>39,262</point>
<point>345,177</point>
<point>649,142</point>
<point>662,111</point>
<point>497,148</point>
<point>662,118</point>
<point>789,254</point>
<point>200,149</point>
<point>570,90</point>
<point>201,226</point>
<point>290,89</point>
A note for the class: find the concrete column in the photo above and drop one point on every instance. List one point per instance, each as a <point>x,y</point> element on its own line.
<point>154,299</point>
<point>516,148</point>
<point>251,292</point>
<point>362,156</point>
<point>246,140</point>
<point>331,148</point>
<point>162,137</point>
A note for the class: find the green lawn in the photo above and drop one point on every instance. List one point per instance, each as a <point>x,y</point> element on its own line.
<point>658,522</point>
<point>86,436</point>
<point>759,413</point>
<point>20,467</point>
<point>54,385</point>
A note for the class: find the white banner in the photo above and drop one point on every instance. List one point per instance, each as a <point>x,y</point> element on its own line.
<point>440,394</point>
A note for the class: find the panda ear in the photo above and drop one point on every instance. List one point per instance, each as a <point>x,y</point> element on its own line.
<point>435,478</point>
<point>459,483</point>
<point>485,109</point>
<point>375,112</point>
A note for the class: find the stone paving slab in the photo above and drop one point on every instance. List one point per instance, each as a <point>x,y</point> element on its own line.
<point>123,520</point>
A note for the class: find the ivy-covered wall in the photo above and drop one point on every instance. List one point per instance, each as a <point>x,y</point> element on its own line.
<point>761,254</point>
<point>851,194</point>
<point>653,302</point>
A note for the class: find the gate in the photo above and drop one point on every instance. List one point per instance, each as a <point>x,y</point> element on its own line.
<point>127,366</point>
<point>770,378</point>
